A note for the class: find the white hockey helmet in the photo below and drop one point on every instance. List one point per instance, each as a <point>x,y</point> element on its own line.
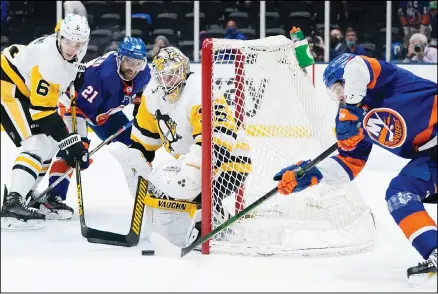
<point>171,69</point>
<point>74,28</point>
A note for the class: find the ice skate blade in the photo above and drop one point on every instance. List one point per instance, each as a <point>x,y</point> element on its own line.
<point>424,281</point>
<point>10,224</point>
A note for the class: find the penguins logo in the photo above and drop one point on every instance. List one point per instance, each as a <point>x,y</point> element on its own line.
<point>167,128</point>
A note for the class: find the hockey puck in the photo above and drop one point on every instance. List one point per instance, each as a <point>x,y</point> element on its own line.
<point>148,252</point>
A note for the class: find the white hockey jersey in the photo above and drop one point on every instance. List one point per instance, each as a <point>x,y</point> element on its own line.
<point>40,73</point>
<point>177,126</point>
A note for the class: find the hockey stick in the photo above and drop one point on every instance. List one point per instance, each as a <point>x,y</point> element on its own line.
<point>104,237</point>
<point>258,202</point>
<point>84,228</point>
<point>107,141</point>
<point>132,238</point>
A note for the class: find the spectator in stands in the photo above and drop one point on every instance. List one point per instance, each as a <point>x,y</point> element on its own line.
<point>419,50</point>
<point>433,24</point>
<point>75,7</point>
<point>350,45</point>
<point>232,32</point>
<point>160,42</point>
<point>336,42</point>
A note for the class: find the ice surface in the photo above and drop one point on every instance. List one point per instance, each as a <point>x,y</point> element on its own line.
<point>59,259</point>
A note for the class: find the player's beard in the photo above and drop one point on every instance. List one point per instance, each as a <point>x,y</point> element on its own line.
<point>128,74</point>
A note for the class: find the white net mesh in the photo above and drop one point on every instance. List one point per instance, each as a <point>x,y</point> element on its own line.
<point>282,120</point>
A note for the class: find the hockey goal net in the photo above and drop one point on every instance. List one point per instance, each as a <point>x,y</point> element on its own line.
<point>281,121</point>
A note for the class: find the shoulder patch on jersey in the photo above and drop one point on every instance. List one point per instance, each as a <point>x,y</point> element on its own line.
<point>386,126</point>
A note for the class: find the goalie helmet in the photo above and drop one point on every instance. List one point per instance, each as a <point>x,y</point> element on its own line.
<point>171,69</point>
<point>73,34</point>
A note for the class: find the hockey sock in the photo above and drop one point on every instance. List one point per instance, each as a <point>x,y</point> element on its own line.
<point>27,167</point>
<point>59,167</point>
<point>43,171</point>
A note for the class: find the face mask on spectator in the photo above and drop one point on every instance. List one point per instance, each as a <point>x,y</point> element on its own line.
<point>350,43</point>
<point>335,40</point>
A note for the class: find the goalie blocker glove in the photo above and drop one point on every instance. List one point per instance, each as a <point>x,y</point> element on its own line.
<point>74,150</point>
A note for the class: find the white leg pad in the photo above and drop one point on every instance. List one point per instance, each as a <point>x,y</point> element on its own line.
<point>177,227</point>
<point>133,164</point>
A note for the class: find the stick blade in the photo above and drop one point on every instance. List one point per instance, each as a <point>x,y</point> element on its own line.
<point>185,251</point>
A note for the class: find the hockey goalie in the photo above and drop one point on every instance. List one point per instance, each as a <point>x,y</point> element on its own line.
<point>169,116</point>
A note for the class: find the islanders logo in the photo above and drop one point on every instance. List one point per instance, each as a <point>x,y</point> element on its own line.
<point>386,126</point>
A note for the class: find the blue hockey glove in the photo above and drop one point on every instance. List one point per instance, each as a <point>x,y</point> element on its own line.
<point>289,182</point>
<point>349,130</point>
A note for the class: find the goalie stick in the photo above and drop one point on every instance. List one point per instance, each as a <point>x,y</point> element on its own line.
<point>105,237</point>
<point>133,236</point>
<point>245,211</point>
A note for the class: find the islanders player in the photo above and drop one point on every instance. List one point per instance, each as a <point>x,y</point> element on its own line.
<point>109,83</point>
<point>33,77</point>
<point>382,104</point>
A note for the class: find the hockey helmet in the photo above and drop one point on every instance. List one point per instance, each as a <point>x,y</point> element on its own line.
<point>132,51</point>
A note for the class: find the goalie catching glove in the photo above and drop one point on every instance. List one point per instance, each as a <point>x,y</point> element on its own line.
<point>74,149</point>
<point>186,184</point>
<point>289,182</point>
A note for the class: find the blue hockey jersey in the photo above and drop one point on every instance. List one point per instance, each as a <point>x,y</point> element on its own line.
<point>414,13</point>
<point>401,113</point>
<point>101,91</point>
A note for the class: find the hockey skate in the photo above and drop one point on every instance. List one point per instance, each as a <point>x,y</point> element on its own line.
<point>15,215</point>
<point>424,274</point>
<point>52,206</point>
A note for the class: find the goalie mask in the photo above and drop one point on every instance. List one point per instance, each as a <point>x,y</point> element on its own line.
<point>171,69</point>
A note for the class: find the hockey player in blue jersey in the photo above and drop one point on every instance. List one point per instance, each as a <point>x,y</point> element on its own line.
<point>109,83</point>
<point>382,104</point>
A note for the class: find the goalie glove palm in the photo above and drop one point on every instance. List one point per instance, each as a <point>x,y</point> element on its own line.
<point>289,182</point>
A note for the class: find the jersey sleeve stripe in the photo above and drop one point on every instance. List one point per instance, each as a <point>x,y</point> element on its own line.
<point>144,139</point>
<point>375,68</point>
<point>146,132</point>
<point>147,147</point>
<point>222,143</point>
<point>12,72</point>
<point>351,165</point>
<point>425,135</point>
<point>225,131</point>
<point>36,114</point>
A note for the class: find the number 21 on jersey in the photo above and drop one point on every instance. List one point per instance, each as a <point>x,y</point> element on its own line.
<point>89,91</point>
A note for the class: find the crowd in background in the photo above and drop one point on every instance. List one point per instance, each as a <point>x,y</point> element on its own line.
<point>414,26</point>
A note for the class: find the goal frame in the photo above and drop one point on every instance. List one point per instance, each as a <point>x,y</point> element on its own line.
<point>206,171</point>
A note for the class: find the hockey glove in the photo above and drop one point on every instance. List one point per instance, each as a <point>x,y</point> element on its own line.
<point>349,130</point>
<point>289,182</point>
<point>73,149</point>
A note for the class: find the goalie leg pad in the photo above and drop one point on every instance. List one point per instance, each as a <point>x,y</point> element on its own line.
<point>133,164</point>
<point>174,220</point>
